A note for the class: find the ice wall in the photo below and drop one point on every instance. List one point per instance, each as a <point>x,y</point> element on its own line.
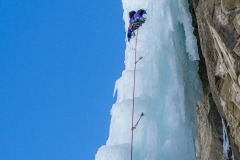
<point>167,87</point>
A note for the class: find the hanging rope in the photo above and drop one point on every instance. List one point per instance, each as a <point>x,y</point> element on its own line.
<point>134,77</point>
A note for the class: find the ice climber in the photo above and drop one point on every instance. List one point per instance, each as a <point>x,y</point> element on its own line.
<point>136,20</point>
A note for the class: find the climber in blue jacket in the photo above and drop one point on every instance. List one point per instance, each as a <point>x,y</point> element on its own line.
<point>136,20</point>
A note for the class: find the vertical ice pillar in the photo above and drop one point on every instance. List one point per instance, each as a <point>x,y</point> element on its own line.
<point>167,87</point>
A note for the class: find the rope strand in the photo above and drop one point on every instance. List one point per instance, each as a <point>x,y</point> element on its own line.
<point>135,67</point>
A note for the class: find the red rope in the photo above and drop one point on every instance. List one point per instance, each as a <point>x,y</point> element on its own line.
<point>135,67</point>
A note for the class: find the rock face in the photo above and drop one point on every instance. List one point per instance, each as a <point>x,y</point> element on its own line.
<point>217,24</point>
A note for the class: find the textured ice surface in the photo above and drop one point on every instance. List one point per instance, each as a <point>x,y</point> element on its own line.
<point>167,87</point>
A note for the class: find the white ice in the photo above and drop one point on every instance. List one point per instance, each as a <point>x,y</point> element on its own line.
<point>167,87</point>
<point>226,143</point>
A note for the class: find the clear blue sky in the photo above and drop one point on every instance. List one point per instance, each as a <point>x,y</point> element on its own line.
<point>59,60</point>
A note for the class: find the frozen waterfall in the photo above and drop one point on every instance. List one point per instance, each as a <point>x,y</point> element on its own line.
<point>167,87</point>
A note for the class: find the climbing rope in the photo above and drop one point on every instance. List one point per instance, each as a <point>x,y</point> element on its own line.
<point>134,78</point>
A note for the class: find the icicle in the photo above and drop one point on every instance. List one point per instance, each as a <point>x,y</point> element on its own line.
<point>226,146</point>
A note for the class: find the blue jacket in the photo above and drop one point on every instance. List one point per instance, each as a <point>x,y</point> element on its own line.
<point>135,22</point>
<point>137,15</point>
